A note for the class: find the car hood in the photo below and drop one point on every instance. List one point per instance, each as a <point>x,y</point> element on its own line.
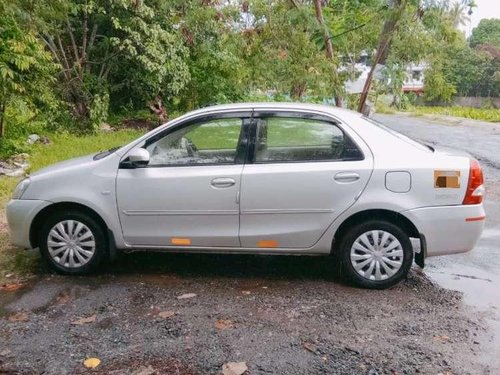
<point>80,162</point>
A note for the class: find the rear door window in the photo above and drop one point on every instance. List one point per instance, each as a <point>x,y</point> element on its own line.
<point>294,139</point>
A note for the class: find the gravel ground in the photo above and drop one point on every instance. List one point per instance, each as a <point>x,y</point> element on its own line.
<point>280,315</point>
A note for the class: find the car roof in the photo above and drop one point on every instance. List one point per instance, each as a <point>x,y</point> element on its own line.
<point>341,113</point>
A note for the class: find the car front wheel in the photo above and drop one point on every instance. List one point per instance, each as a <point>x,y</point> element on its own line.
<point>72,242</point>
<point>376,254</point>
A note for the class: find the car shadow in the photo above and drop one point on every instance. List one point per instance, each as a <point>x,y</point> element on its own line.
<point>227,266</point>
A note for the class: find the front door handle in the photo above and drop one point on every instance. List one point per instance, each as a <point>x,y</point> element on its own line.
<point>222,182</point>
<point>346,177</point>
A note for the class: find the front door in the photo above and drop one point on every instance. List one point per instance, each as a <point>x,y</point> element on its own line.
<point>303,174</point>
<point>188,193</point>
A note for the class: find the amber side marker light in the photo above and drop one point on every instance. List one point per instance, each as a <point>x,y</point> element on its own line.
<point>475,189</point>
<point>267,243</point>
<point>180,241</point>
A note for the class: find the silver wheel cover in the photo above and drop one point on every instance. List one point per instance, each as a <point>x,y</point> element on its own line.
<point>71,243</point>
<point>377,255</point>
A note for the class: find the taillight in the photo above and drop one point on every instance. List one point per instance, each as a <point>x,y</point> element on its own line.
<point>475,188</point>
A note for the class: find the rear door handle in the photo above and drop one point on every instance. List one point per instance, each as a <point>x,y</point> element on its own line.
<point>222,182</point>
<point>346,177</point>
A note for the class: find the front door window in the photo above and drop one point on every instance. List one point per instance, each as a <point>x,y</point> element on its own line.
<point>206,143</point>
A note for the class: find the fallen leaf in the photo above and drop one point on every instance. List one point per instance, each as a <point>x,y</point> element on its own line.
<point>18,317</point>
<point>442,338</point>
<point>223,324</point>
<point>62,298</point>
<point>92,362</point>
<point>144,371</point>
<point>309,346</point>
<point>11,287</point>
<point>87,320</point>
<point>187,295</point>
<point>166,314</point>
<point>234,368</point>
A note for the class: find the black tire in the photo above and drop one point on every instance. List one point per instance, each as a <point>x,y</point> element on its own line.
<point>99,237</point>
<point>352,234</point>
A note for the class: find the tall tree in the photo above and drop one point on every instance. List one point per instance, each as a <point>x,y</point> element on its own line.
<point>318,9</point>
<point>397,9</point>
<point>487,32</point>
<point>93,40</point>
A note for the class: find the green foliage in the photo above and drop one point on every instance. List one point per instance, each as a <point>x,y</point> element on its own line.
<point>394,76</point>
<point>151,58</point>
<point>73,64</point>
<point>484,114</point>
<point>487,32</point>
<point>438,86</point>
<point>216,66</point>
<point>99,110</point>
<point>26,69</point>
<point>117,46</point>
<point>457,69</point>
<point>284,56</point>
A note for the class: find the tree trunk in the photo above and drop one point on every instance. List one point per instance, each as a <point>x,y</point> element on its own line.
<point>390,26</point>
<point>2,123</point>
<point>298,90</point>
<point>327,40</point>
<point>326,37</point>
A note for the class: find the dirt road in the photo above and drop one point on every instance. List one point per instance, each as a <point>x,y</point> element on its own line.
<point>279,315</point>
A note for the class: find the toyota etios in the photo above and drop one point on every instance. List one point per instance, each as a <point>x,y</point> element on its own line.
<point>263,178</point>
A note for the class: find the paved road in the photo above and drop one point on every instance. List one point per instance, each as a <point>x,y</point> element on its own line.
<point>477,273</point>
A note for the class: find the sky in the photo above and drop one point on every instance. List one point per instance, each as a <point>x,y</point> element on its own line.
<point>484,9</point>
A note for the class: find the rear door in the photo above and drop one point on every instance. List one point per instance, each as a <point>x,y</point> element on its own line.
<point>302,173</point>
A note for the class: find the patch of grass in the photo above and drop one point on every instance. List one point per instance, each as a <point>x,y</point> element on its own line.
<point>484,114</point>
<point>16,261</point>
<point>7,185</point>
<point>382,107</point>
<point>63,146</point>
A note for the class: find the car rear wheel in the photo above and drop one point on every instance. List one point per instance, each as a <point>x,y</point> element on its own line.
<point>72,242</point>
<point>376,254</point>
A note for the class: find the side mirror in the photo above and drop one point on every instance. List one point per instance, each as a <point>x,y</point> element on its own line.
<point>138,157</point>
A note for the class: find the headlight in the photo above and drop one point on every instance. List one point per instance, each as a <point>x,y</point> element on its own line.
<point>21,188</point>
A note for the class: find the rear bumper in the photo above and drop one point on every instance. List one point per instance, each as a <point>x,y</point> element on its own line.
<point>20,214</point>
<point>448,229</point>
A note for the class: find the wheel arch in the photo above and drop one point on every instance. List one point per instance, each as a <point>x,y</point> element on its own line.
<point>375,214</point>
<point>61,206</point>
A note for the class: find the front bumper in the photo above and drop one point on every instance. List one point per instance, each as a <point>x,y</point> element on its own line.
<point>20,215</point>
<point>448,229</point>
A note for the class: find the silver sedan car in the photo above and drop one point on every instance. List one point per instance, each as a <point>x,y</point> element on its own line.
<point>259,178</point>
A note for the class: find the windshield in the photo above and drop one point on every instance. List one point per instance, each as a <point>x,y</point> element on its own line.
<point>403,137</point>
